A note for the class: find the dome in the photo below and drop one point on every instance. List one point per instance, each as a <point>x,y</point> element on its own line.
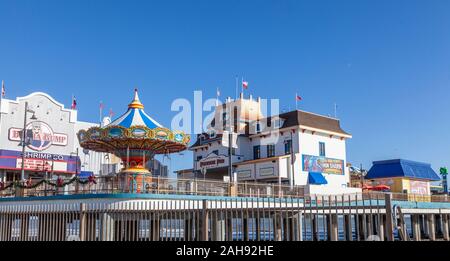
<point>135,116</point>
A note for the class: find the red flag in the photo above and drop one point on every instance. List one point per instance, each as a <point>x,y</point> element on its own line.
<point>245,84</point>
<point>298,98</point>
<point>3,89</point>
<point>74,103</point>
<point>101,105</point>
<point>111,113</point>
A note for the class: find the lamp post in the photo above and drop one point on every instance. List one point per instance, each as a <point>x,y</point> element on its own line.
<point>362,172</point>
<point>76,160</point>
<point>24,135</point>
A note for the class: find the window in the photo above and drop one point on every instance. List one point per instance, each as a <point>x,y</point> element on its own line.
<point>288,147</point>
<point>271,150</point>
<point>256,152</point>
<point>258,127</point>
<point>212,134</point>
<point>322,149</point>
<point>224,120</point>
<point>199,158</point>
<point>216,152</point>
<point>233,151</point>
<point>278,123</point>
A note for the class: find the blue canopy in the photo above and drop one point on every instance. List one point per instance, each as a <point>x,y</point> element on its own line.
<point>135,116</point>
<point>402,168</point>
<point>85,174</point>
<point>317,178</point>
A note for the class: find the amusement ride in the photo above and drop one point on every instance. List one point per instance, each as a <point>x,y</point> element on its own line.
<point>135,138</point>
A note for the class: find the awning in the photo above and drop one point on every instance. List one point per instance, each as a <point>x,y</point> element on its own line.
<point>316,178</point>
<point>85,174</point>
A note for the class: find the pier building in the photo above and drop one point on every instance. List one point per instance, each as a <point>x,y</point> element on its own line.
<point>52,147</point>
<point>292,148</point>
<point>403,176</point>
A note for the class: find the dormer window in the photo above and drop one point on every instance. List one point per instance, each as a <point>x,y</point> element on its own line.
<point>278,123</point>
<point>212,134</point>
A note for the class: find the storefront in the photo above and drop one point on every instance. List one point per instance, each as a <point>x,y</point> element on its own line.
<point>403,176</point>
<point>51,146</point>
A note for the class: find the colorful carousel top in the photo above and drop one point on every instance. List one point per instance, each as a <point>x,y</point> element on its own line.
<point>133,131</point>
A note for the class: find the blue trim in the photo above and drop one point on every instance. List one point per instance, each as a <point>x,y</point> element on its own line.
<point>128,120</point>
<point>150,124</point>
<point>317,178</point>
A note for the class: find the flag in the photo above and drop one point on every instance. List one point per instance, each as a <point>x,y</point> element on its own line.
<point>111,113</point>
<point>218,92</point>
<point>101,105</point>
<point>74,103</point>
<point>3,89</point>
<point>298,97</point>
<point>245,84</point>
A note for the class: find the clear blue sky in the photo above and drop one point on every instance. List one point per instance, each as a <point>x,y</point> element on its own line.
<point>385,63</point>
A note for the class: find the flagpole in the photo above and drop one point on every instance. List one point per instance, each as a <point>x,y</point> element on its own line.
<point>296,101</point>
<point>237,90</point>
<point>101,112</point>
<point>242,87</point>
<point>335,110</point>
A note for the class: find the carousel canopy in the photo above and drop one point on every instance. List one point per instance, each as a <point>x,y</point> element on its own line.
<point>135,116</point>
<point>133,134</point>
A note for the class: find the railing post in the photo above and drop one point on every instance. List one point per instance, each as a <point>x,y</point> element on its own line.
<point>204,222</point>
<point>389,219</point>
<point>83,222</point>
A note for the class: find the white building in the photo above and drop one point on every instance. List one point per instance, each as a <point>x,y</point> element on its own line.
<point>297,148</point>
<point>52,146</point>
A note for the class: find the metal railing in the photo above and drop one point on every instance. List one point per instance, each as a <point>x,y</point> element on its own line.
<point>309,218</point>
<point>159,185</point>
<point>154,185</point>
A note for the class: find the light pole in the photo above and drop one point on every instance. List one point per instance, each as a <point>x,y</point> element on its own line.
<point>24,143</point>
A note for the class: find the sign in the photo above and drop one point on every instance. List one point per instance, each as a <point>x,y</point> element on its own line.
<point>40,136</point>
<point>323,165</point>
<point>244,174</point>
<point>41,165</point>
<point>38,161</point>
<point>211,162</point>
<point>266,172</point>
<point>418,187</point>
<point>226,140</point>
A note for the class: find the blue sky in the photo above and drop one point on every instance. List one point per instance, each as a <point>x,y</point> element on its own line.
<point>385,63</point>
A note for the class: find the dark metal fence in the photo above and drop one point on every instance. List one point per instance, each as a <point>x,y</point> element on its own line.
<point>345,217</point>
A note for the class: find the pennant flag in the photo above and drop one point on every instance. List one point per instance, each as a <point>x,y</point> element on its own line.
<point>101,105</point>
<point>111,113</point>
<point>3,89</point>
<point>298,97</point>
<point>245,84</point>
<point>74,103</point>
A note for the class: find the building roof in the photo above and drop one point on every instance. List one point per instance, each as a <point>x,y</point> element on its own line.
<point>297,117</point>
<point>402,168</point>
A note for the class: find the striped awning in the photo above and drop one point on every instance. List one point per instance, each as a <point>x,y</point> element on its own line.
<point>135,116</point>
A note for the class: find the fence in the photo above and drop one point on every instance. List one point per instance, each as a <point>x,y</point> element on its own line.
<point>345,217</point>
<point>111,185</point>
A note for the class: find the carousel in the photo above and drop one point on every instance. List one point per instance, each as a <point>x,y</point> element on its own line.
<point>135,138</point>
